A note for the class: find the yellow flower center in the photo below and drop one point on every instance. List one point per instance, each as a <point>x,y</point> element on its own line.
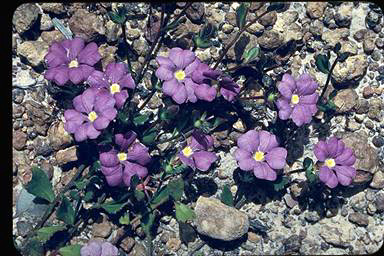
<point>295,99</point>
<point>73,64</point>
<point>92,116</point>
<point>187,151</point>
<point>122,156</point>
<point>258,156</point>
<point>330,162</point>
<point>180,75</point>
<point>114,88</point>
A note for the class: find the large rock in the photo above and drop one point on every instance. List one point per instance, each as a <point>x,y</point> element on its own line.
<point>196,13</point>
<point>345,100</point>
<point>33,51</point>
<point>315,10</point>
<point>351,70</point>
<point>343,16</point>
<point>366,156</point>
<point>86,25</point>
<point>334,235</point>
<point>270,39</point>
<point>219,221</point>
<point>332,37</point>
<point>58,137</point>
<point>25,16</point>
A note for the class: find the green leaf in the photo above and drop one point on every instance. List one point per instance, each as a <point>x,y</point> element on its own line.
<point>149,136</point>
<point>322,63</point>
<point>135,180</point>
<point>202,43</point>
<point>64,30</point>
<point>141,119</point>
<point>169,113</point>
<point>70,250</point>
<point>124,220</point>
<point>118,16</point>
<point>33,248</point>
<point>74,194</point>
<point>183,212</point>
<point>251,54</point>
<point>81,184</point>
<point>45,233</point>
<point>342,57</point>
<point>65,212</point>
<point>176,188</point>
<point>139,195</point>
<point>113,207</point>
<point>309,169</point>
<point>40,185</point>
<point>307,163</point>
<point>88,196</point>
<point>280,183</point>
<point>241,14</point>
<point>337,47</point>
<point>147,223</point>
<point>226,196</point>
<point>160,197</point>
<point>208,31</point>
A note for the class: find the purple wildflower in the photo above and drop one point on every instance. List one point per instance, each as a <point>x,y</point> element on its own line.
<point>338,162</point>
<point>228,88</point>
<point>195,154</point>
<point>298,98</point>
<point>119,166</point>
<point>71,60</point>
<point>99,248</point>
<point>114,79</point>
<point>259,151</point>
<point>176,72</point>
<point>94,109</point>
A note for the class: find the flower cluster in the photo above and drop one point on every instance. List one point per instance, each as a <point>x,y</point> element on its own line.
<point>337,162</point>
<point>186,78</point>
<point>195,153</point>
<point>298,99</point>
<point>130,157</point>
<point>71,60</point>
<point>259,151</point>
<point>98,248</point>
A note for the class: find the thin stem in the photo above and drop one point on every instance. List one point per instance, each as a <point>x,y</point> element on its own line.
<point>237,37</point>
<point>328,79</point>
<point>123,27</point>
<point>147,100</point>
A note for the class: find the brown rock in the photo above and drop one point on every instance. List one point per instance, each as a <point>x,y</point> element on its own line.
<point>270,39</point>
<point>368,92</point>
<point>379,202</point>
<point>66,155</point>
<point>138,250</point>
<point>58,137</point>
<point>358,218</point>
<point>25,16</point>
<point>315,10</point>
<point>173,244</point>
<point>378,180</point>
<point>33,51</point>
<point>127,244</point>
<point>86,25</point>
<point>102,229</point>
<point>351,70</point>
<point>56,8</point>
<point>345,100</point>
<point>52,36</point>
<point>19,140</point>
<point>268,19</point>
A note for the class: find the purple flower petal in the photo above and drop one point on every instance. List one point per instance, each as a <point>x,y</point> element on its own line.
<point>92,133</point>
<point>288,81</point>
<point>81,133</point>
<point>124,141</point>
<point>138,153</point>
<point>300,115</point>
<point>247,164</point>
<point>263,171</point>
<point>276,158</point>
<point>192,67</point>
<point>187,160</point>
<point>205,92</point>
<point>56,56</point>
<point>190,88</point>
<point>309,99</point>
<point>181,58</point>
<point>113,175</point>
<point>169,87</point>
<point>76,75</point>
<point>241,154</point>
<point>131,169</point>
<point>200,141</point>
<point>163,73</point>
<point>97,79</point>
<point>166,62</point>
<point>109,159</point>
<point>85,102</point>
<point>104,101</point>
<point>89,55</point>
<point>285,109</point>
<point>108,249</point>
<point>204,159</point>
<point>115,71</point>
<point>332,145</point>
<point>328,177</point>
<point>109,113</point>
<point>285,90</point>
<point>267,141</point>
<point>320,151</point>
<point>120,98</point>
<point>93,248</point>
<point>101,122</point>
<point>228,88</point>
<point>58,74</point>
<point>347,157</point>
<point>74,46</point>
<point>180,94</point>
<point>306,85</point>
<point>73,119</point>
<point>127,81</point>
<point>345,174</point>
<point>249,141</point>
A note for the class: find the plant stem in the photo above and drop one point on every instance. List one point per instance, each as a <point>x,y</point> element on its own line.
<point>328,79</point>
<point>237,37</point>
<point>147,100</point>
<point>123,27</point>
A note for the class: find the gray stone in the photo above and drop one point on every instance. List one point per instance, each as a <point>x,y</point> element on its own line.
<point>332,37</point>
<point>102,229</point>
<point>33,51</point>
<point>334,236</point>
<point>113,31</point>
<point>270,39</point>
<point>312,216</point>
<point>358,218</point>
<point>219,221</point>
<point>138,250</point>
<point>315,10</point>
<point>379,202</point>
<point>56,8</point>
<point>378,141</point>
<point>343,15</point>
<point>52,36</point>
<point>24,79</point>
<point>127,244</point>
<point>86,25</point>
<point>46,22</point>
<point>42,147</point>
<point>351,70</point>
<point>268,19</point>
<point>196,12</point>
<point>345,100</point>
<point>25,16</point>
<point>377,180</point>
<point>58,137</point>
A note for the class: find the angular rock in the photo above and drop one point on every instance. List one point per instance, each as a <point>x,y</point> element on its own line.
<point>377,180</point>
<point>52,36</point>
<point>351,70</point>
<point>102,229</point>
<point>19,140</point>
<point>33,51</point>
<point>332,37</point>
<point>219,221</point>
<point>358,218</point>
<point>268,19</point>
<point>58,137</point>
<point>334,236</point>
<point>25,16</point>
<point>24,79</point>
<point>45,22</point>
<point>86,25</point>
<point>345,100</point>
<point>66,155</point>
<point>127,244</point>
<point>379,202</point>
<point>366,156</point>
<point>56,8</point>
<point>196,12</point>
<point>343,15</point>
<point>270,39</point>
<point>315,10</point>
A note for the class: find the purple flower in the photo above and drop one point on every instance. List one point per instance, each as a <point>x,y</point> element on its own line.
<point>114,79</point>
<point>99,248</point>
<point>203,73</point>
<point>94,109</point>
<point>195,153</point>
<point>298,98</point>
<point>176,72</point>
<point>228,88</point>
<point>259,151</point>
<point>120,165</point>
<point>70,60</point>
<point>337,161</point>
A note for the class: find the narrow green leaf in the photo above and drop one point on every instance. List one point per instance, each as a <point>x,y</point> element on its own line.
<point>251,54</point>
<point>70,250</point>
<point>241,14</point>
<point>309,169</point>
<point>184,213</point>
<point>226,196</point>
<point>141,119</point>
<point>149,136</point>
<point>280,183</point>
<point>113,207</point>
<point>88,196</point>
<point>40,185</point>
<point>307,163</point>
<point>134,182</point>
<point>124,220</point>
<point>45,233</point>
<point>176,188</point>
<point>65,212</point>
<point>202,43</point>
<point>160,197</point>
<point>322,63</point>
<point>64,30</point>
<point>147,223</point>
<point>139,195</point>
